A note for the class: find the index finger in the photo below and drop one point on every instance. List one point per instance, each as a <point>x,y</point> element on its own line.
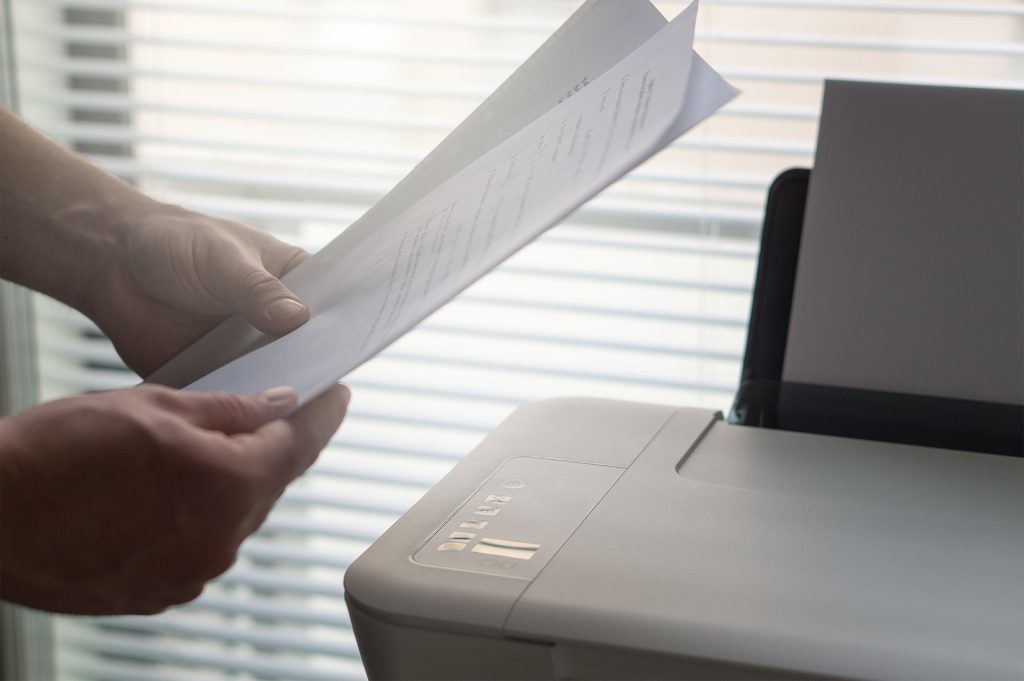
<point>286,448</point>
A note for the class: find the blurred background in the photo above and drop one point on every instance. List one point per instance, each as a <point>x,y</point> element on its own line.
<point>295,116</point>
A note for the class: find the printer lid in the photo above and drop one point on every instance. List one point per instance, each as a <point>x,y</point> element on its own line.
<point>808,553</point>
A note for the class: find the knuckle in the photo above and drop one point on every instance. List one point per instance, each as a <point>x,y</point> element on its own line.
<point>151,607</point>
<point>167,433</point>
<point>152,392</point>
<point>148,427</point>
<point>234,408</point>
<point>219,485</point>
<point>223,473</point>
<point>242,496</point>
<point>237,490</point>
<point>145,432</point>
<point>170,597</point>
<point>216,562</point>
<point>209,553</point>
<point>261,283</point>
<point>166,398</point>
<point>186,594</point>
<point>293,255</point>
<point>158,398</point>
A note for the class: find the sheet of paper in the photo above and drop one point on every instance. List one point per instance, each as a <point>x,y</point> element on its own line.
<point>371,285</point>
<point>909,276</point>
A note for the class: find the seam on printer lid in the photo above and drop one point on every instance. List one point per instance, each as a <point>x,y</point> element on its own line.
<point>661,428</point>
<point>697,440</point>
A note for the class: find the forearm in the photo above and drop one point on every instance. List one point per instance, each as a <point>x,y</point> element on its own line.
<point>60,216</point>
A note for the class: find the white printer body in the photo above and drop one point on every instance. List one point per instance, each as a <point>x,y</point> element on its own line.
<point>863,533</point>
<point>612,540</point>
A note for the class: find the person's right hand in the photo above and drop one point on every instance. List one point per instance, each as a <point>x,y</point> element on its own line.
<point>129,501</point>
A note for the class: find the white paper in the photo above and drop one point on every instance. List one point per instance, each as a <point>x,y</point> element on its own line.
<point>429,239</point>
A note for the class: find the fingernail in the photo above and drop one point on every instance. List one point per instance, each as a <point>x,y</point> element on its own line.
<point>285,307</point>
<point>280,396</point>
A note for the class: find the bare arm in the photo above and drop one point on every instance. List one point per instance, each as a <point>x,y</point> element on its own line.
<point>57,230</point>
<point>153,276</point>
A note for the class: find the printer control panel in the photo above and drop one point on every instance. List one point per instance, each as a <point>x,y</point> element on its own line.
<point>519,518</point>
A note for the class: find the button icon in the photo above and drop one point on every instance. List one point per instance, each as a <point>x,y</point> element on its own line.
<point>487,510</point>
<point>452,546</point>
<point>513,483</point>
<point>473,524</point>
<point>461,536</point>
<point>497,499</point>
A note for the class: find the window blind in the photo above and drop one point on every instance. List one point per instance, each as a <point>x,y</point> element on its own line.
<point>295,116</point>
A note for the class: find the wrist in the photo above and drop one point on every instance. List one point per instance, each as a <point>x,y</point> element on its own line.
<point>104,226</point>
<point>60,213</point>
<point>66,250</point>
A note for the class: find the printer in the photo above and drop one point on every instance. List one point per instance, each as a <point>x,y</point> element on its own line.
<point>859,515</point>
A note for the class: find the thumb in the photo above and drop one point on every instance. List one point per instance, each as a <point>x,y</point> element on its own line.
<point>241,281</point>
<point>288,447</point>
<point>231,414</point>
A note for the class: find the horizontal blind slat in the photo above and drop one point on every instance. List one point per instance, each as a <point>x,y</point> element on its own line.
<point>940,8</point>
<point>267,639</point>
<point>285,610</point>
<point>132,647</point>
<point>115,36</point>
<point>520,24</point>
<point>92,35</point>
<point>84,665</point>
<point>286,583</point>
<point>106,68</point>
<point>317,14</point>
<point>363,530</point>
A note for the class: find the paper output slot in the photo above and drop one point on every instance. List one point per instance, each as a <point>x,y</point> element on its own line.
<point>522,554</point>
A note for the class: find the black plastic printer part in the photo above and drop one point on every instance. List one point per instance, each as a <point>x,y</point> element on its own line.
<point>758,395</point>
<point>764,400</point>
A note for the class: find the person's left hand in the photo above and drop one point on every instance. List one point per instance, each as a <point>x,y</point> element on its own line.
<point>177,273</point>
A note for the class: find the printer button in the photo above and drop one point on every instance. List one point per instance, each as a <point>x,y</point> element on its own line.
<point>508,544</point>
<point>513,483</point>
<point>504,550</point>
<point>487,510</point>
<point>461,536</point>
<point>452,546</point>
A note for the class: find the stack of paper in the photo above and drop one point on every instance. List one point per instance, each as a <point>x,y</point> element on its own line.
<point>614,85</point>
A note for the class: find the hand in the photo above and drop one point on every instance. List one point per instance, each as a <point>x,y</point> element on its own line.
<point>153,276</point>
<point>178,273</point>
<point>129,501</point>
